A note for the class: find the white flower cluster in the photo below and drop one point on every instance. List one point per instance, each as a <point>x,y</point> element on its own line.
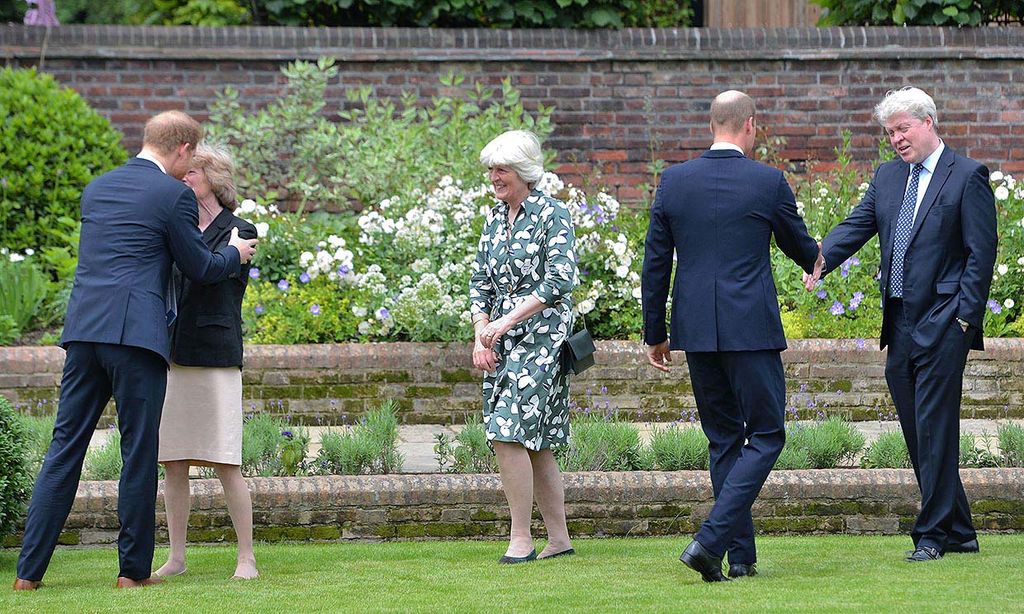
<point>331,259</point>
<point>587,216</point>
<point>15,256</point>
<point>550,185</point>
<point>250,207</point>
<point>1005,185</point>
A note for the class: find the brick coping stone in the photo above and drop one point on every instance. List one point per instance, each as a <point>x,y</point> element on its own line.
<point>442,45</point>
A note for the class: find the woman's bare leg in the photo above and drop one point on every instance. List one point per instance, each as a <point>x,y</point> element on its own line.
<point>177,501</point>
<point>550,493</point>
<point>517,482</point>
<point>236,493</point>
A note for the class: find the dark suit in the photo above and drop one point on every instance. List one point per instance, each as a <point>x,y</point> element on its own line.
<point>717,214</point>
<point>208,329</point>
<point>135,220</point>
<point>947,272</point>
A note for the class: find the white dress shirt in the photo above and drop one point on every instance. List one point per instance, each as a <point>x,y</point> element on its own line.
<point>146,156</point>
<point>929,164</point>
<point>726,145</point>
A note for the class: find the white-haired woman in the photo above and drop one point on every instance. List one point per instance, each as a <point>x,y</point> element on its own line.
<point>520,290</point>
<point>202,417</point>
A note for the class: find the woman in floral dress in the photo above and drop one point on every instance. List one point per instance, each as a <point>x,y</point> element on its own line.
<point>520,290</point>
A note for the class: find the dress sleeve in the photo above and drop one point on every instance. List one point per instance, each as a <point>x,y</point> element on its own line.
<point>560,272</point>
<point>481,288</point>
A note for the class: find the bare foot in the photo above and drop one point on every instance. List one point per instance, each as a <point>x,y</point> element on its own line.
<point>519,548</point>
<point>123,582</point>
<point>171,568</point>
<point>552,549</point>
<point>246,570</point>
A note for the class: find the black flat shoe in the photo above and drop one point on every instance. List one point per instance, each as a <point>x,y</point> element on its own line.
<point>970,547</point>
<point>512,560</point>
<point>568,552</point>
<point>740,570</point>
<point>697,558</point>
<point>924,554</point>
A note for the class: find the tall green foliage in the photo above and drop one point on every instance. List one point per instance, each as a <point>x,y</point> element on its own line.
<point>378,149</point>
<point>15,481</point>
<point>51,145</point>
<point>919,12</point>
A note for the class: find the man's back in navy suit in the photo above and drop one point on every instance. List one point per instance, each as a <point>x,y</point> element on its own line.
<point>136,220</point>
<point>717,215</point>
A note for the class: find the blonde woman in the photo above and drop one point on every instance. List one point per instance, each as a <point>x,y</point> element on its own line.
<point>202,417</point>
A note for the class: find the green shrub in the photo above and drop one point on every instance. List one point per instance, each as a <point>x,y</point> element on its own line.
<point>38,434</point>
<point>469,453</point>
<point>270,447</point>
<point>52,145</point>
<point>1011,444</point>
<point>23,289</point>
<point>919,12</point>
<point>888,452</point>
<point>972,455</point>
<point>369,447</point>
<point>15,479</point>
<point>601,444</point>
<point>104,462</point>
<point>679,448</point>
<point>820,445</point>
<point>377,151</point>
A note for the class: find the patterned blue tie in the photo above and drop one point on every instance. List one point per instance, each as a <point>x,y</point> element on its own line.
<point>904,225</point>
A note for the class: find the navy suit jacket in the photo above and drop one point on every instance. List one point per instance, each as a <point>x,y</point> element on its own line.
<point>947,269</point>
<point>717,214</point>
<point>135,220</point>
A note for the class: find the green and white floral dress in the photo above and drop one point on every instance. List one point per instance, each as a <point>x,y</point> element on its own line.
<point>526,399</point>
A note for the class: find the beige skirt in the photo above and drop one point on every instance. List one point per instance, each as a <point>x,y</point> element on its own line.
<point>202,417</point>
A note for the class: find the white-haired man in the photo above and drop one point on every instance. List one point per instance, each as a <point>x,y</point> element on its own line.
<point>934,213</point>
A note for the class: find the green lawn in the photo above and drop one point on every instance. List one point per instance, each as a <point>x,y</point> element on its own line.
<point>805,574</point>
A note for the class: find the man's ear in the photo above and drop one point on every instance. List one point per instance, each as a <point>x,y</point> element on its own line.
<point>749,125</point>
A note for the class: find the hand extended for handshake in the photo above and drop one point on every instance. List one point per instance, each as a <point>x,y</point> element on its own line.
<point>819,266</point>
<point>246,247</point>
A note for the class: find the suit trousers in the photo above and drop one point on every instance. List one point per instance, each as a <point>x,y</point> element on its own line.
<point>926,385</point>
<point>137,379</point>
<point>741,398</point>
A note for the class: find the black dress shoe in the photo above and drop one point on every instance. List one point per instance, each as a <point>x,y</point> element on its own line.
<point>924,553</point>
<point>512,560</point>
<point>709,566</point>
<point>739,570</point>
<point>966,547</point>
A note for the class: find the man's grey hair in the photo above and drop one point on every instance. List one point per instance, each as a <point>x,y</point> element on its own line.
<point>910,100</point>
<point>519,150</point>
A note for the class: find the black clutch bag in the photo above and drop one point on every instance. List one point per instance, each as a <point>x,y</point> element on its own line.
<point>578,351</point>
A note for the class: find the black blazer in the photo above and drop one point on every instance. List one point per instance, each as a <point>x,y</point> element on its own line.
<point>208,330</point>
<point>947,269</point>
<point>717,215</point>
<point>135,221</point>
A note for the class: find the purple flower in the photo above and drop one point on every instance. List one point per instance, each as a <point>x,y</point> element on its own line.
<point>259,309</point>
<point>821,293</point>
<point>304,278</point>
<point>855,301</point>
<point>837,308</point>
<point>282,285</point>
<point>994,306</point>
<point>286,434</point>
<point>860,344</point>
<point>383,313</point>
<point>344,270</point>
<point>254,273</point>
<point>314,309</point>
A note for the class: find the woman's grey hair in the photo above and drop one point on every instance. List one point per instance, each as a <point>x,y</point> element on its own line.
<point>519,150</point>
<point>216,162</point>
<point>910,100</point>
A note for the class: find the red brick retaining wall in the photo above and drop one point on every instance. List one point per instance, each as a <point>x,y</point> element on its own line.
<point>597,504</point>
<point>617,93</point>
<point>435,383</point>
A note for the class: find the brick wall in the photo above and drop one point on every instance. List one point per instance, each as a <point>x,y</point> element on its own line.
<point>881,501</point>
<point>617,94</point>
<point>434,383</point>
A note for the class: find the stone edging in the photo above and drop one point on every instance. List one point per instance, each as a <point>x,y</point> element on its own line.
<point>435,506</point>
